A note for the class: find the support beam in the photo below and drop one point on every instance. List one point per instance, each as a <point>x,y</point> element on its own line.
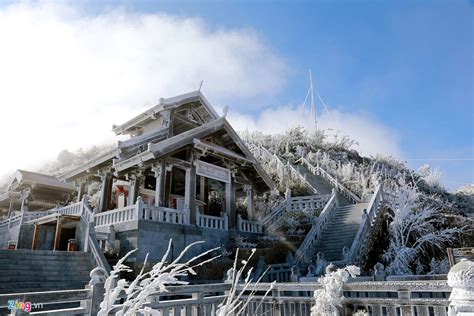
<point>230,201</point>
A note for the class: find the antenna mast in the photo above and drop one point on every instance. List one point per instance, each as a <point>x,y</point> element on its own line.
<point>313,117</point>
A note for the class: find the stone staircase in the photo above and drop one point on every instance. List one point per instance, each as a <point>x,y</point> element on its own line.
<point>318,182</point>
<point>41,270</point>
<point>339,232</point>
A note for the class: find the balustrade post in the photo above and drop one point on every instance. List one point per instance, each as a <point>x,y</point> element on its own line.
<point>288,199</point>
<point>336,196</point>
<point>138,208</point>
<point>226,221</point>
<point>239,222</point>
<point>198,218</point>
<point>96,286</point>
<point>404,297</point>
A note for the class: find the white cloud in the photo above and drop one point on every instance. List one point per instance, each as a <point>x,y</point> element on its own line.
<point>372,136</point>
<point>66,76</point>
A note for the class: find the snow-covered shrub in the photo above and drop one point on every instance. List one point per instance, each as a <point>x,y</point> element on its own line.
<point>439,266</point>
<point>147,283</point>
<point>329,298</point>
<point>432,177</point>
<point>234,304</point>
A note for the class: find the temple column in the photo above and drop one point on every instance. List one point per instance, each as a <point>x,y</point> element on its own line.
<point>133,190</point>
<point>230,201</point>
<point>25,195</point>
<point>160,175</point>
<point>250,201</point>
<point>204,191</point>
<point>105,191</point>
<point>190,192</point>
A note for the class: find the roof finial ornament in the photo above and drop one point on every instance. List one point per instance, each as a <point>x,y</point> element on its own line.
<point>225,110</point>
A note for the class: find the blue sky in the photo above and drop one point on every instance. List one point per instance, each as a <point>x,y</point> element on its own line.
<point>407,65</point>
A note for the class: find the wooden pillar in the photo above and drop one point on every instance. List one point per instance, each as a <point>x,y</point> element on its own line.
<point>160,175</point>
<point>35,237</point>
<point>230,201</point>
<point>105,192</point>
<point>190,192</point>
<point>57,236</point>
<point>250,201</point>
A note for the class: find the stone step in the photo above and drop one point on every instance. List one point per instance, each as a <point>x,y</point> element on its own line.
<point>34,275</point>
<point>40,286</point>
<point>358,206</point>
<point>41,261</point>
<point>31,256</point>
<point>24,267</point>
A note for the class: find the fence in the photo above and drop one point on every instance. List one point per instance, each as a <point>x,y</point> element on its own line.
<point>216,222</point>
<point>247,226</point>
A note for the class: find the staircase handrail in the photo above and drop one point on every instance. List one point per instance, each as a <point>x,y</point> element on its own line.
<point>365,225</point>
<point>285,164</point>
<point>340,187</point>
<point>314,233</point>
<point>87,216</point>
<point>276,213</point>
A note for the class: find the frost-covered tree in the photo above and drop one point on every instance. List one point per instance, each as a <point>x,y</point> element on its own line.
<point>329,298</point>
<point>417,231</point>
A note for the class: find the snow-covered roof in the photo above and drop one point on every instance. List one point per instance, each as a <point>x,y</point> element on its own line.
<point>164,104</point>
<point>29,178</point>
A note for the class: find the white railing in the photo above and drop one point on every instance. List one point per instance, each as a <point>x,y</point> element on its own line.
<point>265,154</point>
<point>28,216</point>
<point>279,272</point>
<point>247,226</point>
<point>360,242</point>
<point>163,214</point>
<point>309,203</point>
<point>314,233</point>
<point>91,243</point>
<point>72,209</point>
<point>141,211</point>
<point>276,213</point>
<point>380,298</point>
<point>216,222</point>
<point>298,203</point>
<point>318,170</point>
<point>120,215</point>
<point>15,221</point>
